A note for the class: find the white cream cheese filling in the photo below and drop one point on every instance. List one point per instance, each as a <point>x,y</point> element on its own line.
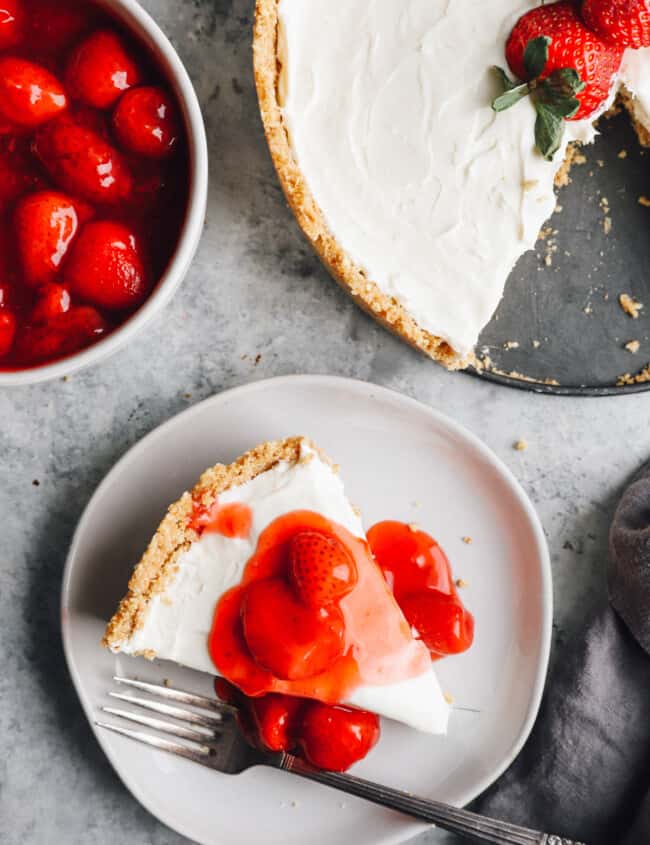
<point>179,619</point>
<point>432,194</point>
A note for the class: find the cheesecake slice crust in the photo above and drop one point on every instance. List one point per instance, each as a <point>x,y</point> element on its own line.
<point>175,535</point>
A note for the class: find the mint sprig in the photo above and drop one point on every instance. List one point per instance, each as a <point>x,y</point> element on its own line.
<point>554,98</point>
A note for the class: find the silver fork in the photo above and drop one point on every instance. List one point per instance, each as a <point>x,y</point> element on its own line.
<point>215,741</point>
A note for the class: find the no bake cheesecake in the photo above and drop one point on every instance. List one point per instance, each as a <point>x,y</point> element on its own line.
<point>262,574</point>
<point>415,193</point>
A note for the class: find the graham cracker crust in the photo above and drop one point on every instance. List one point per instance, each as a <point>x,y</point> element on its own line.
<point>174,535</point>
<point>626,100</point>
<point>365,292</point>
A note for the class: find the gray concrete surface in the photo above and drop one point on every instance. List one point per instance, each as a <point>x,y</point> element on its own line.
<point>255,304</point>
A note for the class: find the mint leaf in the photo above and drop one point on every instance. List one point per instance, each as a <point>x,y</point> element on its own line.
<point>506,82</point>
<point>562,83</point>
<point>549,129</point>
<point>566,107</point>
<point>554,97</point>
<point>571,78</point>
<point>536,56</point>
<point>510,97</point>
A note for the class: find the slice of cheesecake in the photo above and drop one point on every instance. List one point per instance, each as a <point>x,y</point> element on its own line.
<point>225,543</point>
<point>418,198</point>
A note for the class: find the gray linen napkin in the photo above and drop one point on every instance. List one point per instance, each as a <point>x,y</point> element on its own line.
<point>585,771</point>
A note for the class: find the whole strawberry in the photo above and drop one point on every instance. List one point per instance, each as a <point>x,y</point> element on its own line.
<point>321,568</point>
<point>45,225</point>
<point>622,22</point>
<point>568,70</point>
<point>572,45</point>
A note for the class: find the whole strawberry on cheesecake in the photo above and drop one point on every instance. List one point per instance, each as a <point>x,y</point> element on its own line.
<point>568,68</point>
<point>263,576</point>
<point>381,122</point>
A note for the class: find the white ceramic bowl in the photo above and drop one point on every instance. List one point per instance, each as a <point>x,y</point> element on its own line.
<point>147,31</point>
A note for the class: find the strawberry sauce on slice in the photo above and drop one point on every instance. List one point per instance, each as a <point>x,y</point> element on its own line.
<point>418,572</point>
<point>233,519</point>
<point>378,645</point>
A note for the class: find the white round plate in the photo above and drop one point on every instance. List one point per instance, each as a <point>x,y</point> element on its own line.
<point>400,460</point>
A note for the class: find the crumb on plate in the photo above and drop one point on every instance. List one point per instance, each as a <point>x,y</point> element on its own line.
<point>630,306</point>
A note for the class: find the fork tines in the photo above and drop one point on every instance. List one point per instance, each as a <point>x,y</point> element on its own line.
<point>201,725</point>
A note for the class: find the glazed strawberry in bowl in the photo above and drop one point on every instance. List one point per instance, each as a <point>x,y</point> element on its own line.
<point>103,181</point>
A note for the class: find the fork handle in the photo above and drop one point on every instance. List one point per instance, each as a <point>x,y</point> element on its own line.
<point>455,820</point>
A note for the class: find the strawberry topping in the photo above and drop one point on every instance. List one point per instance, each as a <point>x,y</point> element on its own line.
<point>276,720</point>
<point>17,173</point>
<point>55,25</point>
<point>45,225</point>
<point>233,519</point>
<point>146,123</point>
<point>418,572</point>
<point>441,621</point>
<point>100,69</point>
<point>29,94</point>
<point>53,300</point>
<point>306,643</point>
<point>81,161</point>
<point>62,335</point>
<point>106,266</point>
<point>64,66</point>
<point>328,736</point>
<point>322,569</point>
<point>336,737</point>
<point>11,23</point>
<point>8,326</point>
<point>286,628</point>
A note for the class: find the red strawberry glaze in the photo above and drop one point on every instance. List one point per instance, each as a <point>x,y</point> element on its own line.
<point>145,122</point>
<point>335,738</point>
<point>64,67</point>
<point>321,569</point>
<point>378,646</point>
<point>53,26</point>
<point>11,23</point>
<point>308,641</point>
<point>268,629</point>
<point>19,174</point>
<point>45,224</point>
<point>418,571</point>
<point>100,69</point>
<point>234,519</point>
<point>274,720</point>
<point>29,94</point>
<point>107,267</point>
<point>7,331</point>
<point>64,334</point>
<point>328,736</point>
<point>81,160</point>
<point>54,300</point>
